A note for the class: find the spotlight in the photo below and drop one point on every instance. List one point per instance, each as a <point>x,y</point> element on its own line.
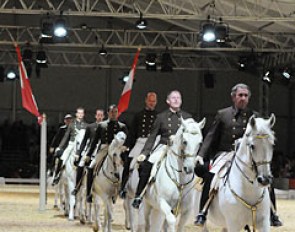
<point>268,77</point>
<point>41,59</point>
<point>150,62</point>
<point>141,23</point>
<point>167,63</point>
<point>286,73</point>
<point>208,32</point>
<point>11,74</point>
<point>221,32</point>
<point>103,51</point>
<point>47,26</point>
<point>60,28</point>
<point>242,63</point>
<point>124,78</point>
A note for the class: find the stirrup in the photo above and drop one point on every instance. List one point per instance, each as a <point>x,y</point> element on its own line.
<point>89,198</point>
<point>122,194</point>
<point>136,202</point>
<point>74,192</point>
<point>200,220</point>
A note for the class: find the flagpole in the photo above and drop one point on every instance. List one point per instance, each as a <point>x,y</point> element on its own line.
<point>42,172</point>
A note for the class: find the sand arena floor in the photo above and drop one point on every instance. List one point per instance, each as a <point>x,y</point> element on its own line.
<point>19,212</point>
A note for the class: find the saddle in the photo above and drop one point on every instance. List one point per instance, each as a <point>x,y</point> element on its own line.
<point>221,167</point>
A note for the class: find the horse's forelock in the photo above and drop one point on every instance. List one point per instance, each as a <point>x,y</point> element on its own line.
<point>262,127</point>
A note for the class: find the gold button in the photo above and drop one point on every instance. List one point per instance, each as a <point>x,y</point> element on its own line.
<point>170,131</point>
<point>244,128</point>
<point>233,119</point>
<point>152,116</point>
<point>143,125</point>
<point>169,124</point>
<point>244,114</point>
<point>234,136</point>
<point>143,120</point>
<point>169,119</point>
<point>234,128</point>
<point>143,130</point>
<point>244,121</point>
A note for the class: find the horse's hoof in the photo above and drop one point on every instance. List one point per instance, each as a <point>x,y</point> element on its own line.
<point>127,228</point>
<point>95,228</point>
<point>82,221</point>
<point>55,206</point>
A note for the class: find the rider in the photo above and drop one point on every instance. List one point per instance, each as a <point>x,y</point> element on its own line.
<point>67,144</point>
<point>229,125</point>
<point>89,135</point>
<point>166,124</point>
<point>140,130</point>
<point>104,134</point>
<point>58,137</point>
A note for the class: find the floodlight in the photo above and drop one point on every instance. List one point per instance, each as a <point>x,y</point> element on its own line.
<point>141,23</point>
<point>60,28</point>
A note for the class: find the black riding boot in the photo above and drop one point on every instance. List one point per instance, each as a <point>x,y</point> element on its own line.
<point>201,217</point>
<point>78,180</point>
<point>144,176</point>
<point>57,172</point>
<point>125,176</point>
<point>89,185</point>
<point>274,218</point>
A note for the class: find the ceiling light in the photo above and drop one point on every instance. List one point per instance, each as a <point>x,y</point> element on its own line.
<point>141,23</point>
<point>41,59</point>
<point>47,26</point>
<point>208,32</point>
<point>11,74</point>
<point>103,51</point>
<point>286,73</point>
<point>242,63</point>
<point>150,59</point>
<point>221,32</point>
<point>60,28</point>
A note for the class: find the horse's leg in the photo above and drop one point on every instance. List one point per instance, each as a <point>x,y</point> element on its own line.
<point>157,218</point>
<point>147,213</point>
<point>126,204</point>
<point>96,220</point>
<point>108,211</point>
<point>72,199</point>
<point>140,213</point>
<point>170,218</point>
<point>185,214</point>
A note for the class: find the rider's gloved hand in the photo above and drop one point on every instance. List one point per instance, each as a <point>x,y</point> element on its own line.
<point>199,159</point>
<point>141,158</point>
<point>58,152</point>
<point>87,160</point>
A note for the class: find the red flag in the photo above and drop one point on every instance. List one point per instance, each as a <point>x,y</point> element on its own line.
<point>125,96</point>
<point>28,99</point>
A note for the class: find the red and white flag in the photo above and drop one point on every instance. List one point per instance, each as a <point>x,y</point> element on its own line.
<point>28,99</point>
<point>125,96</point>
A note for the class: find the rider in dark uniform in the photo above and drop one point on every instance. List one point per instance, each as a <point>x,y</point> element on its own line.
<point>104,134</point>
<point>68,144</point>
<point>138,134</point>
<point>166,124</point>
<point>58,137</point>
<point>229,124</point>
<point>89,135</point>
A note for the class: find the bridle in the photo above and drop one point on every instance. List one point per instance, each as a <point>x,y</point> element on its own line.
<point>254,164</point>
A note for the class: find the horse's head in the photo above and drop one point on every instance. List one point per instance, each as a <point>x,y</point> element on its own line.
<point>187,141</point>
<point>116,148</point>
<point>260,141</point>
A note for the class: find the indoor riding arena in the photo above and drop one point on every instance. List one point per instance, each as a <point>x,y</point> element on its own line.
<point>185,82</point>
<point>19,212</point>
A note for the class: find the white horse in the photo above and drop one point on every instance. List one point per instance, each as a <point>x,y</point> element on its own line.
<point>68,177</point>
<point>172,193</point>
<point>243,197</point>
<point>106,182</point>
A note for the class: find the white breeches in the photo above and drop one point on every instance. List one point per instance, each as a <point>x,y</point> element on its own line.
<point>156,155</point>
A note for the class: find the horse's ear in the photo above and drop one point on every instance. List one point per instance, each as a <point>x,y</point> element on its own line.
<point>252,121</point>
<point>272,120</point>
<point>202,123</point>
